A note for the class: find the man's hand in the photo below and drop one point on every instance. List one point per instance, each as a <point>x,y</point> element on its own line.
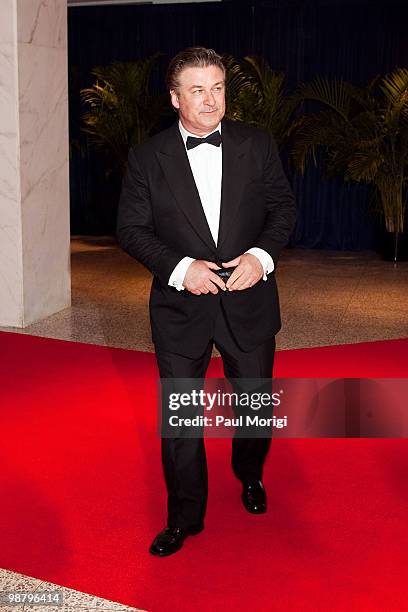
<point>200,279</point>
<point>249,271</point>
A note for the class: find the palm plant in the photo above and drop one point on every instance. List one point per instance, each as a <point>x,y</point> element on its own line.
<point>363,133</point>
<point>122,112</point>
<point>256,96</point>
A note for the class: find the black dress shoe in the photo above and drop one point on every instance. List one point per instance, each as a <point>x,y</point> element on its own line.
<point>254,497</point>
<point>171,539</point>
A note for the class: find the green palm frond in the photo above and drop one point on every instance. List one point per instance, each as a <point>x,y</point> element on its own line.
<point>236,79</point>
<point>366,162</point>
<point>121,111</point>
<point>395,88</point>
<point>256,96</point>
<point>363,134</point>
<point>363,97</point>
<point>332,93</point>
<point>323,129</point>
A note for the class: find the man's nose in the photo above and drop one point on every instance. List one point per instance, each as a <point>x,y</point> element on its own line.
<point>209,99</point>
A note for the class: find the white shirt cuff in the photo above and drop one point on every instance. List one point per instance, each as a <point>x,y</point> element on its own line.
<point>177,276</point>
<point>265,259</point>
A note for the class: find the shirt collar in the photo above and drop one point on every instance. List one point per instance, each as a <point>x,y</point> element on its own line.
<point>184,133</point>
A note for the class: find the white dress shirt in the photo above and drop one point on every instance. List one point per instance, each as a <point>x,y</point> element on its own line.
<point>206,166</point>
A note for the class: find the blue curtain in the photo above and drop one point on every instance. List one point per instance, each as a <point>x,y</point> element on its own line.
<point>354,40</point>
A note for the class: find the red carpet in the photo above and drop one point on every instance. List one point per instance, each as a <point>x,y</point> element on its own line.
<point>82,492</point>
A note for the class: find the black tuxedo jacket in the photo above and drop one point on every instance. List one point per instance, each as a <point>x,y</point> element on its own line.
<point>161,220</point>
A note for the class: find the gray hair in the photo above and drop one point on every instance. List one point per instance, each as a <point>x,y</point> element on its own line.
<point>193,56</point>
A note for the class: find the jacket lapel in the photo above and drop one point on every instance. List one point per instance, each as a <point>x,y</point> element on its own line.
<point>176,167</point>
<point>235,164</point>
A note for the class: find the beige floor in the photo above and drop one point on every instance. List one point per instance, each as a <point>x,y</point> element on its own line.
<point>12,583</point>
<point>326,298</point>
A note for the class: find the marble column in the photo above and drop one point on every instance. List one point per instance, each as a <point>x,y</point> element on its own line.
<point>34,152</point>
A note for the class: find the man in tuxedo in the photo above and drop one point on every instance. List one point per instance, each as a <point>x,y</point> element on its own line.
<point>203,197</point>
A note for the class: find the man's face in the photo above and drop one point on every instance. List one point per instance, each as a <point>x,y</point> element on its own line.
<point>200,99</point>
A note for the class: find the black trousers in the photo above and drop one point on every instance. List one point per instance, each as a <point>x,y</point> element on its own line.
<point>184,459</point>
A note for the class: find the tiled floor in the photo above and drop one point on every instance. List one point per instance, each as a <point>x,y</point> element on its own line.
<point>326,298</point>
<point>12,582</point>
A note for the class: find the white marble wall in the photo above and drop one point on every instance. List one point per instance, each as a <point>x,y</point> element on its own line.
<point>10,211</point>
<point>34,188</point>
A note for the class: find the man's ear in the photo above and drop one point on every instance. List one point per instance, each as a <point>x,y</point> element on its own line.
<point>174,98</point>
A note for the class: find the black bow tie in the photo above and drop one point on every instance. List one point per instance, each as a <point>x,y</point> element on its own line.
<point>214,139</point>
